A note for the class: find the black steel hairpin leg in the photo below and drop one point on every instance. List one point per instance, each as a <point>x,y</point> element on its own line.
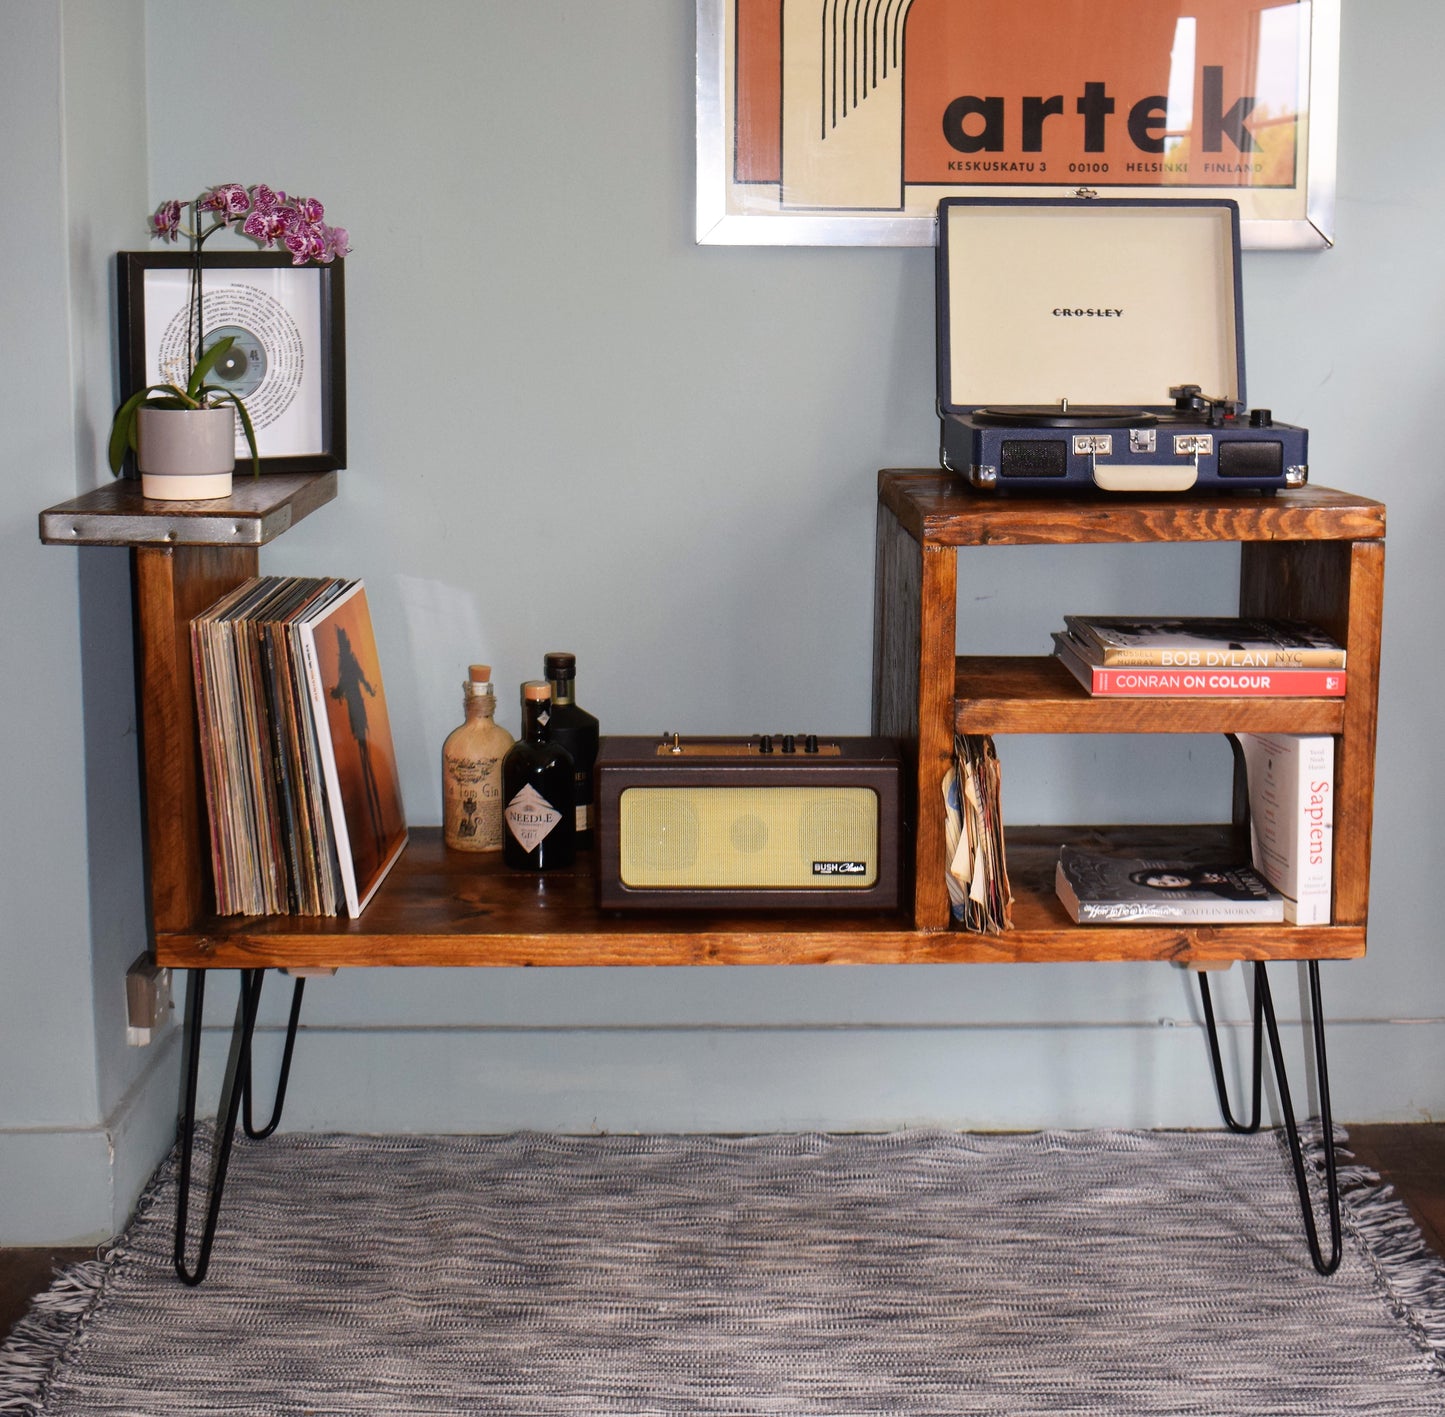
<point>237,1069</point>
<point>1218,1063</point>
<point>1264,1011</point>
<point>285,1074</point>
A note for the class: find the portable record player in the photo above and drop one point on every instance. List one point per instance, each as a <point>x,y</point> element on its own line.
<point>1086,343</point>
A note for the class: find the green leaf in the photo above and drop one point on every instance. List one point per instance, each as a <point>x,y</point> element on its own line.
<point>122,430</point>
<point>206,364</point>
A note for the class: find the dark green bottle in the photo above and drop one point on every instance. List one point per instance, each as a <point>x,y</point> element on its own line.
<point>576,730</point>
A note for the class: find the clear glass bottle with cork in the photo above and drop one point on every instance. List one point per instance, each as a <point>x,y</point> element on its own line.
<point>472,769</point>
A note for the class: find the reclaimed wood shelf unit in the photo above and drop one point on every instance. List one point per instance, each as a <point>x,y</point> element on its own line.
<point>1313,554</point>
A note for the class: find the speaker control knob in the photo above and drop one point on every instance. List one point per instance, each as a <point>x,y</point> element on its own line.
<point>810,743</point>
<point>790,744</point>
<point>765,743</point>
<point>1261,418</point>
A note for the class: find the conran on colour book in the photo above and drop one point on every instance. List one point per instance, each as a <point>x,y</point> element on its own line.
<point>1204,642</point>
<point>1150,681</point>
<point>1103,887</point>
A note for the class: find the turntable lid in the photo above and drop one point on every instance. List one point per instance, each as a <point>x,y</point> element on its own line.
<point>1094,301</point>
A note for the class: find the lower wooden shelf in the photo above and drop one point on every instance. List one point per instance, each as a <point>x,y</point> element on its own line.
<point>443,908</point>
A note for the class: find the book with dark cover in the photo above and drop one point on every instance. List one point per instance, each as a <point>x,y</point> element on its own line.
<point>1204,642</point>
<point>1106,887</point>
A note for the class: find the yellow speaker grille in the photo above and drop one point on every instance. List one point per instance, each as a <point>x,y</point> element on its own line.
<point>762,837</point>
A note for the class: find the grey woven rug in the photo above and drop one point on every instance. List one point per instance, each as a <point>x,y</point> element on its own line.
<point>1094,1272</point>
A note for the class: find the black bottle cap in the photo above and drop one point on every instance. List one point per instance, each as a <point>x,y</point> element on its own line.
<point>558,665</point>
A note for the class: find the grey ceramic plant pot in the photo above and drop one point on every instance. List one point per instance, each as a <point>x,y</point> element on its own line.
<point>186,454</point>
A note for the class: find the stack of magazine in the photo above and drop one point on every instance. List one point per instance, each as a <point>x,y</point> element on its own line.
<point>978,887</point>
<point>302,792</point>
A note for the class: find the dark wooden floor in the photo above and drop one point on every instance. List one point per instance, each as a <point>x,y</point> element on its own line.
<point>1411,1156</point>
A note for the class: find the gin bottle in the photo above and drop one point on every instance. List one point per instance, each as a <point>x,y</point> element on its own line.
<point>539,810</point>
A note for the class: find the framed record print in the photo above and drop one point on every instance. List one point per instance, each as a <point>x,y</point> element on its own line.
<point>846,122</point>
<point>288,364</point>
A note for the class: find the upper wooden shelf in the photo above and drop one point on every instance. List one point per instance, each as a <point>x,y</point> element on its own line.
<point>938,509</point>
<point>1039,695</point>
<point>258,510</point>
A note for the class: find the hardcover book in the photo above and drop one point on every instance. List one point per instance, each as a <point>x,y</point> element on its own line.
<point>1154,681</point>
<point>1205,642</point>
<point>1102,887</point>
<point>1291,818</point>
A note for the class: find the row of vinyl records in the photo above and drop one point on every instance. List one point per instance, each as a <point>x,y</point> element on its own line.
<point>302,791</point>
<point>1289,877</point>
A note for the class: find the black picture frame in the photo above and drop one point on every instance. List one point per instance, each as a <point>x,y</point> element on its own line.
<point>299,343</point>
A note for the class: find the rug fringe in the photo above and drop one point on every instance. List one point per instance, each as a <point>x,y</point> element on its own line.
<point>56,1320</point>
<point>41,1339</point>
<point>1409,1274</point>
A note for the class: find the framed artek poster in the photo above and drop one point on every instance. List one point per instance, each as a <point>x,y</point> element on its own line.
<point>288,362</point>
<point>845,122</point>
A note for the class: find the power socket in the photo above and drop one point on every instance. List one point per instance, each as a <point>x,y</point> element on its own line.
<point>147,999</point>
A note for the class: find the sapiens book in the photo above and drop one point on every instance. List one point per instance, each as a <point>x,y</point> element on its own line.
<point>1108,887</point>
<point>353,729</point>
<point>1152,681</point>
<point>1291,818</point>
<point>1205,642</point>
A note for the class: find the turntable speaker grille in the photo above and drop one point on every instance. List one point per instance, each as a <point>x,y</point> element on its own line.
<point>1247,458</point>
<point>763,838</point>
<point>1023,457</point>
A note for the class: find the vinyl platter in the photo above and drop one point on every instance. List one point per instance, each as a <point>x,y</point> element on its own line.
<point>1065,415</point>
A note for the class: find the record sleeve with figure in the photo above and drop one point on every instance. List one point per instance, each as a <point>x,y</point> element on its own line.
<point>358,757</point>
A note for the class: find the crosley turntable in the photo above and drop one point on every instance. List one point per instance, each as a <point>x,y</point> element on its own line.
<point>1087,343</point>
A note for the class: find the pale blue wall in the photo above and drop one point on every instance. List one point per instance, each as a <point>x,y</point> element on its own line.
<point>571,426</point>
<point>82,1117</point>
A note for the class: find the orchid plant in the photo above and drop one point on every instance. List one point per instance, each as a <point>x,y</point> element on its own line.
<point>271,219</point>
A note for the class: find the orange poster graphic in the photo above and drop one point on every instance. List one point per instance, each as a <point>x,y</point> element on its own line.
<point>876,109</point>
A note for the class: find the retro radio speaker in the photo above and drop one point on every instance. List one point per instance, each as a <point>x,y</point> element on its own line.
<point>783,821</point>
